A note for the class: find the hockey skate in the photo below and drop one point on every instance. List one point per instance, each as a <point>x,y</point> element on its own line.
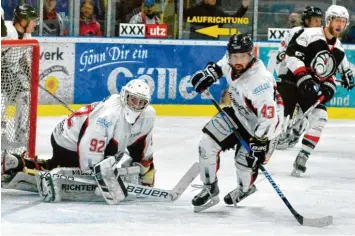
<point>283,142</point>
<point>294,140</point>
<point>207,198</point>
<point>238,195</point>
<point>299,166</point>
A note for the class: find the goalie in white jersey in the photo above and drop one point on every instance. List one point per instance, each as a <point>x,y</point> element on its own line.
<point>256,111</point>
<point>103,129</point>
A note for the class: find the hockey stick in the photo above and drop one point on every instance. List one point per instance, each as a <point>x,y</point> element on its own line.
<point>161,195</point>
<point>306,113</point>
<point>312,222</point>
<point>56,98</point>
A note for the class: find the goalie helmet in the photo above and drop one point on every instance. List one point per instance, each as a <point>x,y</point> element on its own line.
<point>309,12</point>
<point>135,97</point>
<point>336,11</point>
<point>25,12</point>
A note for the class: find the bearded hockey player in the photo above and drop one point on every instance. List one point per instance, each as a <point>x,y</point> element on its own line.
<point>15,72</point>
<point>91,136</point>
<point>311,17</point>
<point>256,111</point>
<point>313,57</point>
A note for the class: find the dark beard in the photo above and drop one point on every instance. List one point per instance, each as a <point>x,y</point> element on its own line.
<point>151,16</point>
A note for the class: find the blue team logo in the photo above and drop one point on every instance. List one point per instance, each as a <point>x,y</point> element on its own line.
<point>103,122</point>
<point>261,88</point>
<point>220,125</point>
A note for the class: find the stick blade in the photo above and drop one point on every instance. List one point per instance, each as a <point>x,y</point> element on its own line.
<point>318,222</point>
<point>185,181</point>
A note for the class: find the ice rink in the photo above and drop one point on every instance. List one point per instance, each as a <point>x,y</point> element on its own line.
<point>328,188</point>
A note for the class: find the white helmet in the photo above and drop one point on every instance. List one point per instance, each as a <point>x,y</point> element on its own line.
<point>135,97</point>
<point>336,11</point>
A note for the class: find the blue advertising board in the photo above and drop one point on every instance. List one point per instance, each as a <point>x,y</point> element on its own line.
<point>102,69</point>
<point>342,97</point>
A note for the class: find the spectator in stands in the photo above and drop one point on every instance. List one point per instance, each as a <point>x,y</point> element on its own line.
<point>148,15</point>
<point>294,19</point>
<point>209,8</point>
<point>97,6</point>
<point>88,24</point>
<point>52,22</point>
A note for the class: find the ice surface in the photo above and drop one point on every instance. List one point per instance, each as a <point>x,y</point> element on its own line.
<point>328,188</point>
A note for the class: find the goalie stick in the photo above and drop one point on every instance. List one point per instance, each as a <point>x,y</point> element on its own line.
<point>312,222</point>
<point>161,195</point>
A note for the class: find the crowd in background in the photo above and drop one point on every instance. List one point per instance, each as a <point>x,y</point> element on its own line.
<point>102,17</point>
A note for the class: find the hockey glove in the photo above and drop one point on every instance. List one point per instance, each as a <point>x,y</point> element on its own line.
<point>203,79</point>
<point>328,90</point>
<point>147,172</point>
<point>308,87</point>
<point>280,57</point>
<point>347,80</point>
<point>258,150</point>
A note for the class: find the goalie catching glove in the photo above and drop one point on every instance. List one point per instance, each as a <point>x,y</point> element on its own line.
<point>203,79</point>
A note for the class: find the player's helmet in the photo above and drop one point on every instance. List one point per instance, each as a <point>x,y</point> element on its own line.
<point>336,11</point>
<point>25,12</point>
<point>135,97</point>
<point>240,43</point>
<point>309,12</point>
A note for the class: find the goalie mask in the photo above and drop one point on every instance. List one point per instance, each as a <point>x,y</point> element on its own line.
<point>240,53</point>
<point>135,97</point>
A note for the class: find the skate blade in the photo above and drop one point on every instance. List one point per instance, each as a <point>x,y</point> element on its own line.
<point>296,173</point>
<point>250,192</point>
<point>213,201</point>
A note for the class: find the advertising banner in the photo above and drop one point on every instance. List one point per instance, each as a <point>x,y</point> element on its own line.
<point>132,30</point>
<point>56,72</point>
<point>102,69</point>
<point>342,97</point>
<point>276,34</point>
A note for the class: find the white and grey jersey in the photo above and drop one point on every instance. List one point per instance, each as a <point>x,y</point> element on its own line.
<point>253,97</point>
<point>100,129</point>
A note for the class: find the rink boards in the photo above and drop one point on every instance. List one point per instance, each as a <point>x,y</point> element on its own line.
<point>84,70</point>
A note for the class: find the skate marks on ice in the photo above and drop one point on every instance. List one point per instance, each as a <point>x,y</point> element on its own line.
<point>17,201</point>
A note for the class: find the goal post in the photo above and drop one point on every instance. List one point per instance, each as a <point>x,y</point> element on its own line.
<point>19,95</point>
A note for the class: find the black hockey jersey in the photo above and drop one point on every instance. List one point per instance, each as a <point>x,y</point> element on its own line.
<point>310,52</point>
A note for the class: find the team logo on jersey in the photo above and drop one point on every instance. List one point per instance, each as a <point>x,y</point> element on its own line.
<point>261,88</point>
<point>323,65</point>
<point>220,125</point>
<point>103,122</point>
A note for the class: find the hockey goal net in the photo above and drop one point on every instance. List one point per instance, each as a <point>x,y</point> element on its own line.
<point>19,96</point>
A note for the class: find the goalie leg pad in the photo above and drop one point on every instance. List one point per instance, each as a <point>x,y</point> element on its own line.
<point>46,188</point>
<point>109,181</point>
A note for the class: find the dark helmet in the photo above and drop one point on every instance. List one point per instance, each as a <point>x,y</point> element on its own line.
<point>25,12</point>
<point>239,44</point>
<point>311,11</point>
